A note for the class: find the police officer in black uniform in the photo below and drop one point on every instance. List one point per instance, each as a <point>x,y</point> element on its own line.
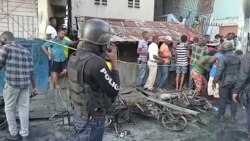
<point>227,73</point>
<point>92,86</point>
<point>242,87</point>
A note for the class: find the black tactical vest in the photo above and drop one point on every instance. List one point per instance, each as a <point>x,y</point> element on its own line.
<point>231,69</point>
<point>84,97</point>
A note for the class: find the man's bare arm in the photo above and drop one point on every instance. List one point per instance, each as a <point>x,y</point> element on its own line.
<point>189,13</point>
<point>157,57</point>
<point>202,63</point>
<point>33,82</point>
<point>45,50</point>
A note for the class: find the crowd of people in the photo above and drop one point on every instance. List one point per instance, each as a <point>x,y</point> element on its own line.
<point>211,65</point>
<point>215,67</point>
<point>57,51</point>
<point>183,56</point>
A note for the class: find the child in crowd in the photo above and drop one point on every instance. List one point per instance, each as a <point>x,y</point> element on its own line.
<point>182,55</point>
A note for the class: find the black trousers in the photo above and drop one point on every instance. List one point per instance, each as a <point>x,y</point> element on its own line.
<point>248,110</point>
<point>226,93</point>
<point>87,129</point>
<point>49,68</point>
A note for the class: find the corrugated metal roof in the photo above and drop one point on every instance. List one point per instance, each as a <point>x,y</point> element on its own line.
<point>132,30</point>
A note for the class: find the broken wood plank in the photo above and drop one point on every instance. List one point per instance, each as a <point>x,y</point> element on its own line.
<point>146,92</point>
<point>174,107</point>
<point>126,91</point>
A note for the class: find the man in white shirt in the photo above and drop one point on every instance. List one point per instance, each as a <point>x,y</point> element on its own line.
<point>50,30</point>
<point>50,34</point>
<point>182,20</point>
<point>154,58</point>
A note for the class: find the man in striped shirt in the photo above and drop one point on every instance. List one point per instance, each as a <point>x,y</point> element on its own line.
<point>182,55</point>
<point>142,50</point>
<point>19,74</point>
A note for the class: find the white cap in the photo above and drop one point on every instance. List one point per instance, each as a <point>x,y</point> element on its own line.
<point>169,38</point>
<point>64,25</point>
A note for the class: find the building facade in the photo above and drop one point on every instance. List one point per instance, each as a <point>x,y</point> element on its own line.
<point>114,9</point>
<point>19,17</point>
<point>29,18</point>
<point>229,20</point>
<point>177,8</point>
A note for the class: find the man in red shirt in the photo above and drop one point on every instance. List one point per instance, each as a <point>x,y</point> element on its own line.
<point>166,55</point>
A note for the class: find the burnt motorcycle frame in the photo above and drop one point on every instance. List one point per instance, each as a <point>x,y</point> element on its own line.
<point>191,99</point>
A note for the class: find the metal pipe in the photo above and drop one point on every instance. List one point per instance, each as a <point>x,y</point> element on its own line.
<point>23,25</point>
<point>28,24</point>
<point>69,16</point>
<point>18,26</point>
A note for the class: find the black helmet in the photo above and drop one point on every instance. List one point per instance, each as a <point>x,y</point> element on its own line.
<point>6,37</point>
<point>96,32</point>
<point>228,45</point>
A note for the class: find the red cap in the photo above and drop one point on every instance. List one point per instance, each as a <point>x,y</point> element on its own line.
<point>191,39</point>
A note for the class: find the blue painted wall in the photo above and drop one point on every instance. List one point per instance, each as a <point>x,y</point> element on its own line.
<point>225,8</point>
<point>40,64</point>
<point>222,13</point>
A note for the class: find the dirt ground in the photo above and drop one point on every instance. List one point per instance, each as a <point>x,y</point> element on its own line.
<point>210,129</point>
<point>147,129</point>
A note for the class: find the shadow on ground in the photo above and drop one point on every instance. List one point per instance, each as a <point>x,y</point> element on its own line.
<point>147,129</point>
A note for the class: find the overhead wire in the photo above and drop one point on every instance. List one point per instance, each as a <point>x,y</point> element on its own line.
<point>120,61</point>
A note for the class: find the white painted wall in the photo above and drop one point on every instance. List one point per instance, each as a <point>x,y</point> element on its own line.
<point>19,17</point>
<point>223,9</point>
<point>44,12</point>
<point>116,9</point>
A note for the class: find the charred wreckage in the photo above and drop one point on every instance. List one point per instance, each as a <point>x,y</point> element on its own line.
<point>173,110</point>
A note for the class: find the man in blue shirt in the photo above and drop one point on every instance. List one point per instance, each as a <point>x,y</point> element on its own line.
<point>214,91</point>
<point>58,66</point>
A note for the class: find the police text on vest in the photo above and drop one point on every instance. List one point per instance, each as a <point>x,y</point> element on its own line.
<point>109,79</point>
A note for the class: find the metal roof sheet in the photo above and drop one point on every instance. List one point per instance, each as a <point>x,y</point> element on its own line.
<point>131,30</point>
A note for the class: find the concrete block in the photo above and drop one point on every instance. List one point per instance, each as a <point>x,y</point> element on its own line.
<point>127,72</point>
